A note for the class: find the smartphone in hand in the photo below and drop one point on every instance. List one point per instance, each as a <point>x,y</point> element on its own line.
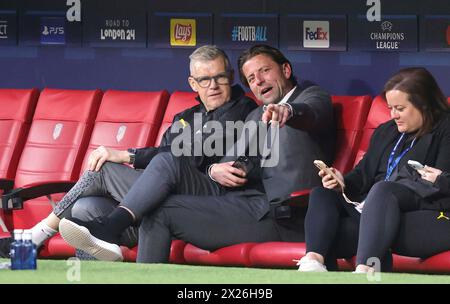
<point>243,163</point>
<point>322,166</point>
<point>415,165</point>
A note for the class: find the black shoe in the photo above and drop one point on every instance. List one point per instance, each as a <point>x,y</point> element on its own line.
<point>91,237</point>
<point>5,245</point>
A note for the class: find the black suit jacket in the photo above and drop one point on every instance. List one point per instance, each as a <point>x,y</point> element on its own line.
<point>432,149</point>
<point>308,135</point>
<point>234,110</point>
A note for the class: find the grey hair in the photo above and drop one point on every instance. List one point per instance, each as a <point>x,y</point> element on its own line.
<point>208,53</point>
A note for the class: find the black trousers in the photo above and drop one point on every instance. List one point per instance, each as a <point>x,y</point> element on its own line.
<point>175,200</point>
<point>184,202</point>
<point>390,221</point>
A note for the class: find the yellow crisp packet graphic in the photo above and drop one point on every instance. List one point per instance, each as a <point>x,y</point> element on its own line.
<point>183,32</point>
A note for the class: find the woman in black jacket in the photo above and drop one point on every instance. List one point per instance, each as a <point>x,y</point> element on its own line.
<point>362,212</point>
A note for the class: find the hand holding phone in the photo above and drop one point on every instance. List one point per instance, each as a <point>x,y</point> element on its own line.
<point>415,165</point>
<point>243,163</point>
<point>322,166</point>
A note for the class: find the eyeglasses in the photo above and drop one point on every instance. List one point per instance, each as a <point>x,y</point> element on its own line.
<point>205,81</point>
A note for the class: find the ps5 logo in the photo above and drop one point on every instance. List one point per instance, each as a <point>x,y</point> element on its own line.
<point>57,130</point>
<point>53,30</point>
<point>121,133</point>
<point>3,28</point>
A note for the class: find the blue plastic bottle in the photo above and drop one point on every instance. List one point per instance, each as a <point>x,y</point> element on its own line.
<point>28,251</point>
<point>16,250</point>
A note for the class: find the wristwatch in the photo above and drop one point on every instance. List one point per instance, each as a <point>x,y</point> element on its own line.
<point>132,154</point>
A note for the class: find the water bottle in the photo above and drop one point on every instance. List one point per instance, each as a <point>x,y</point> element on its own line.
<point>16,250</point>
<point>28,251</point>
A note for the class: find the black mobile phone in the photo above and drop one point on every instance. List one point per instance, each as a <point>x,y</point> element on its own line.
<point>243,163</point>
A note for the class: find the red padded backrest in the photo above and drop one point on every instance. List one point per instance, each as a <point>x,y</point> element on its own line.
<point>55,146</point>
<point>128,119</point>
<point>178,102</point>
<point>16,110</point>
<point>378,114</point>
<point>350,113</point>
<point>58,136</point>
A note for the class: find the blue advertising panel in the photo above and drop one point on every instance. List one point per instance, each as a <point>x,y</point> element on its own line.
<point>185,30</point>
<point>8,27</point>
<point>393,34</point>
<point>435,33</point>
<point>314,32</point>
<point>241,31</point>
<point>49,28</point>
<point>112,27</point>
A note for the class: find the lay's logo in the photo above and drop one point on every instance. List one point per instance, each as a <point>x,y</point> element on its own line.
<point>183,32</point>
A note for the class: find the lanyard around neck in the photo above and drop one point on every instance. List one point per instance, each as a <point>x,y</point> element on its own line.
<point>393,162</point>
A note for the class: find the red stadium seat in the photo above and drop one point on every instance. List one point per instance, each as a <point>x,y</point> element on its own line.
<point>235,255</point>
<point>350,116</point>
<point>179,101</point>
<point>54,149</point>
<point>16,110</point>
<point>125,119</point>
<point>379,113</point>
<point>128,119</point>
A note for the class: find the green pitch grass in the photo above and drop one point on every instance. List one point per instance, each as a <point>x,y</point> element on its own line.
<point>64,272</point>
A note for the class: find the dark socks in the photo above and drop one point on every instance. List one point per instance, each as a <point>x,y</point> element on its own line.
<point>119,220</point>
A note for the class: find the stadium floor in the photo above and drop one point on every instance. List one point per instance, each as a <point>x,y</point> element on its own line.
<point>63,272</point>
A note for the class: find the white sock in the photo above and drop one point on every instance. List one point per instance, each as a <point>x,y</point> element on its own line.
<point>41,232</point>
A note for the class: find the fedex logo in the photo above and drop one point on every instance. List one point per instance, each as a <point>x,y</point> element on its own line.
<point>319,34</point>
<point>316,34</point>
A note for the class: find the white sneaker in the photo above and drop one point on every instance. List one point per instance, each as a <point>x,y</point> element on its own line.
<point>80,238</point>
<point>363,270</point>
<point>306,264</point>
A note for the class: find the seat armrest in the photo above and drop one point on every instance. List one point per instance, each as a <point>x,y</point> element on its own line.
<point>304,192</point>
<point>14,199</point>
<point>6,184</point>
<point>299,198</point>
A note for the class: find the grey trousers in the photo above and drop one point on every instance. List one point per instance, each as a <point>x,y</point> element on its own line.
<point>208,222</point>
<point>96,194</point>
<point>175,200</point>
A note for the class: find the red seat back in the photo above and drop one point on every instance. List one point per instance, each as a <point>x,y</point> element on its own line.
<point>56,144</point>
<point>350,113</point>
<point>178,102</point>
<point>128,119</point>
<point>17,108</point>
<point>378,114</point>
